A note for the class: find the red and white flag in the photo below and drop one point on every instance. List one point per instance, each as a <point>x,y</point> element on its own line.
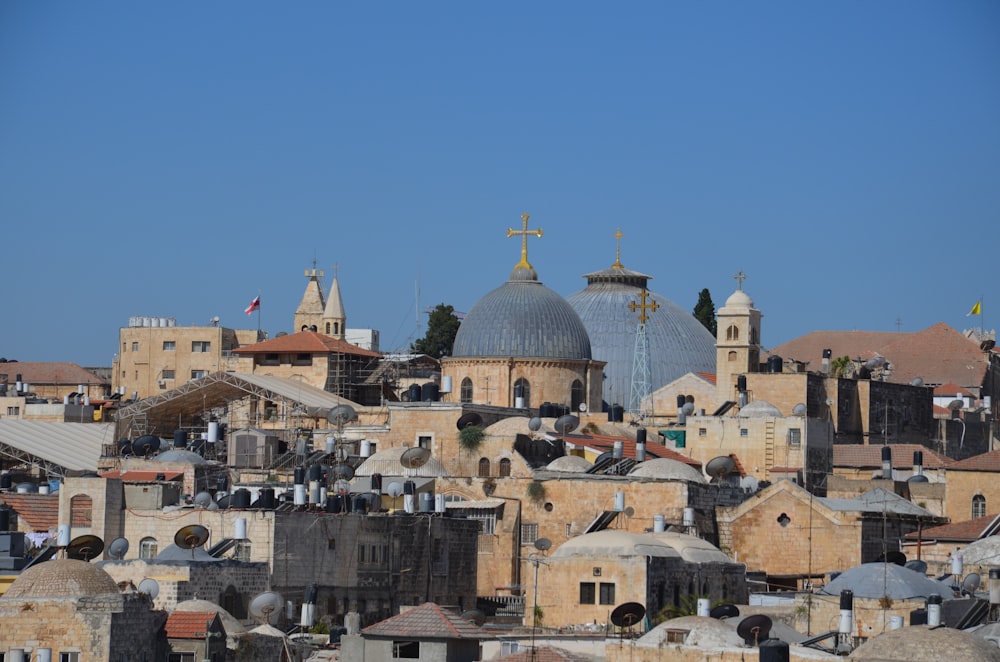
<point>254,305</point>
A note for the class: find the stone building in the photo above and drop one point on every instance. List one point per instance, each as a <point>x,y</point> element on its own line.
<point>75,611</point>
<point>971,486</point>
<point>195,635</point>
<point>424,632</point>
<point>50,381</point>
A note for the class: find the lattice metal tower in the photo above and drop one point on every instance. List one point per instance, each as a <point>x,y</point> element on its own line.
<point>639,405</point>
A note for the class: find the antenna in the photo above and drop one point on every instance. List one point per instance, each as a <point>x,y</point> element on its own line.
<point>566,424</point>
<point>84,548</point>
<point>150,587</point>
<point>394,489</point>
<point>970,584</point>
<point>118,548</point>
<point>146,445</point>
<point>414,458</point>
<point>628,614</point>
<point>205,500</point>
<point>754,629</point>
<point>266,607</point>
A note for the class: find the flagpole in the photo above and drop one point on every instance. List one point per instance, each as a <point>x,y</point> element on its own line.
<point>258,314</point>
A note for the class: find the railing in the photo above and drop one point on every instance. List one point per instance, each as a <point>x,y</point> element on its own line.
<point>509,605</point>
<point>486,543</point>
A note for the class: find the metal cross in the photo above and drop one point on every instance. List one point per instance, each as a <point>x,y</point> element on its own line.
<point>740,277</point>
<point>618,250</point>
<point>524,232</point>
<point>314,272</point>
<point>642,307</point>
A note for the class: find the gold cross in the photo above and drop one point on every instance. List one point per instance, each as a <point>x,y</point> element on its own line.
<point>740,277</point>
<point>643,306</point>
<point>618,251</point>
<point>524,232</point>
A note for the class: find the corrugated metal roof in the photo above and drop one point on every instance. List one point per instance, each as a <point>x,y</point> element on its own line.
<point>72,446</point>
<point>878,500</point>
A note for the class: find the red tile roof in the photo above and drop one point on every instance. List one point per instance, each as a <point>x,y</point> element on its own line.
<point>709,377</point>
<point>143,475</point>
<point>967,531</point>
<point>192,624</point>
<point>983,462</point>
<point>305,342</point>
<point>38,513</point>
<point>951,388</point>
<point>937,354</point>
<point>858,456</point>
<point>604,443</point>
<point>48,373</point>
<point>428,621</point>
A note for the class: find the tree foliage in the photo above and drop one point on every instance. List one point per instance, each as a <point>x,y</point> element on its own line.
<point>704,311</point>
<point>442,326</point>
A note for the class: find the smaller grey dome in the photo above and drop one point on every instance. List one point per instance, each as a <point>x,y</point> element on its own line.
<point>178,455</point>
<point>666,469</point>
<point>62,578</point>
<point>920,643</point>
<point>760,409</point>
<point>569,464</point>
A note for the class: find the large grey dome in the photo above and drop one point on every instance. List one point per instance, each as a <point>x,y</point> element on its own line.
<point>678,343</point>
<point>522,318</point>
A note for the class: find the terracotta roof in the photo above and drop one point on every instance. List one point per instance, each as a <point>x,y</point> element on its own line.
<point>709,377</point>
<point>967,531</point>
<point>605,443</point>
<point>305,342</point>
<point>951,388</point>
<point>858,456</point>
<point>983,462</point>
<point>937,354</point>
<point>48,373</point>
<point>547,654</point>
<point>192,624</point>
<point>143,475</point>
<point>37,513</point>
<point>428,621</point>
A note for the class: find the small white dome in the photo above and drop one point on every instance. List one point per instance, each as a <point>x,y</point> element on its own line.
<point>739,299</point>
<point>760,409</point>
<point>666,469</point>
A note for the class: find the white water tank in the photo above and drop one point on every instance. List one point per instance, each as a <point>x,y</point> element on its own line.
<point>659,524</point>
<point>619,501</point>
<point>446,384</point>
<point>241,529</point>
<point>213,430</point>
<point>689,517</point>
<point>366,448</point>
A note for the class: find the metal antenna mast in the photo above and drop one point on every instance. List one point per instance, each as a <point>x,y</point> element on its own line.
<point>639,405</point>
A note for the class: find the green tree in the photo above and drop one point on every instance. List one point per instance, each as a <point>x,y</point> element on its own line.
<point>442,326</point>
<point>704,311</point>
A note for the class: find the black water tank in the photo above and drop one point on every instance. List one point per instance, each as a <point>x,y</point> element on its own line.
<point>376,482</point>
<point>180,438</point>
<point>546,410</point>
<point>640,436</point>
<point>300,475</point>
<point>409,487</point>
<point>241,499</point>
<point>774,364</point>
<point>918,617</point>
<point>333,503</point>
<point>413,393</point>
<point>267,500</point>
<point>315,473</point>
<point>359,504</point>
<point>4,519</point>
<point>773,650</point>
<point>616,414</point>
<point>429,392</point>
<point>5,481</point>
<point>741,383</point>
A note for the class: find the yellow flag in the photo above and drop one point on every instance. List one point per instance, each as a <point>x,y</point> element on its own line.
<point>977,309</point>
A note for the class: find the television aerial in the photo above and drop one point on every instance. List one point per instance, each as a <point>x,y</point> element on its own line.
<point>566,424</point>
<point>414,458</point>
<point>469,419</point>
<point>84,548</point>
<point>755,629</point>
<point>720,466</point>
<point>191,536</point>
<point>150,587</point>
<point>628,614</point>
<point>118,548</point>
<point>266,607</point>
<point>205,500</point>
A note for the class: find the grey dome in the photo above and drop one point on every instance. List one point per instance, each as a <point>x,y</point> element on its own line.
<point>760,409</point>
<point>522,318</point>
<point>678,343</point>
<point>180,455</point>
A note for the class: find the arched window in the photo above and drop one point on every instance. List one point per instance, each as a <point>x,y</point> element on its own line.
<point>504,467</point>
<point>484,467</point>
<point>753,336</point>
<point>733,332</point>
<point>327,328</point>
<point>81,511</point>
<point>522,389</point>
<point>336,328</point>
<point>731,356</point>
<point>576,395</point>
<point>979,506</point>
<point>232,601</point>
<point>466,391</point>
<point>148,548</point>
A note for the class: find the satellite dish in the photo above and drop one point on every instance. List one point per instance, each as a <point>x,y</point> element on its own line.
<point>724,611</point>
<point>203,499</point>
<point>146,445</point>
<point>191,536</point>
<point>543,544</point>
<point>956,404</point>
<point>341,414</point>
<point>125,447</point>
<point>720,466</point>
<point>754,629</point>
<point>474,616</point>
<point>566,424</point>
<point>394,489</point>
<point>799,410</point>
<point>629,511</point>
<point>628,614</point>
<point>917,478</point>
<point>829,402</point>
<point>917,381</point>
<point>84,548</point>
<point>469,419</point>
<point>344,471</point>
<point>749,483</point>
<point>150,587</point>
<point>118,548</point>
<point>266,607</point>
<point>535,424</point>
<point>414,458</point>
<point>987,345</point>
<point>971,583</point>
<point>875,362</point>
<point>895,557</point>
<point>688,408</point>
<point>917,566</point>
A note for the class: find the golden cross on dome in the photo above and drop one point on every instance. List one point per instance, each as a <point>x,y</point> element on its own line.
<point>618,250</point>
<point>740,277</point>
<point>524,232</point>
<point>642,307</point>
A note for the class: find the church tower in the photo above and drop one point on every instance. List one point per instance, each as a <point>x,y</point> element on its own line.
<point>334,317</point>
<point>309,314</point>
<point>737,343</point>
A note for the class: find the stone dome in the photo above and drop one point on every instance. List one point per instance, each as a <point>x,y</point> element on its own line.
<point>678,343</point>
<point>877,580</point>
<point>702,631</point>
<point>522,318</point>
<point>569,464</point>
<point>760,409</point>
<point>666,469</point>
<point>62,578</point>
<point>386,462</point>
<point>180,455</point>
<point>614,542</point>
<point>739,299</point>
<point>920,643</point>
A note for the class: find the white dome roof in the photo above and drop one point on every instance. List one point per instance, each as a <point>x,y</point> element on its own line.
<point>569,464</point>
<point>739,299</point>
<point>760,409</point>
<point>666,469</point>
<point>386,462</point>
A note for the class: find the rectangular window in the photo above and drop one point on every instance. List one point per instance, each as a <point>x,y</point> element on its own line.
<point>169,346</point>
<point>361,553</point>
<point>14,411</point>
<point>201,346</point>
<point>424,442</point>
<point>198,374</point>
<point>744,432</point>
<point>69,657</point>
<point>168,374</point>
<point>135,347</point>
<point>795,437</point>
<point>529,533</point>
<point>405,650</point>
<point>303,359</point>
<point>607,593</point>
<point>702,432</point>
<point>587,593</point>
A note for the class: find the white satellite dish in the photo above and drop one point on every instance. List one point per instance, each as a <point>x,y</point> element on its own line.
<point>150,587</point>
<point>266,607</point>
<point>394,489</point>
<point>118,548</point>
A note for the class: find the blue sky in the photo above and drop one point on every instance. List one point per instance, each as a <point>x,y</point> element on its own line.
<point>173,159</point>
